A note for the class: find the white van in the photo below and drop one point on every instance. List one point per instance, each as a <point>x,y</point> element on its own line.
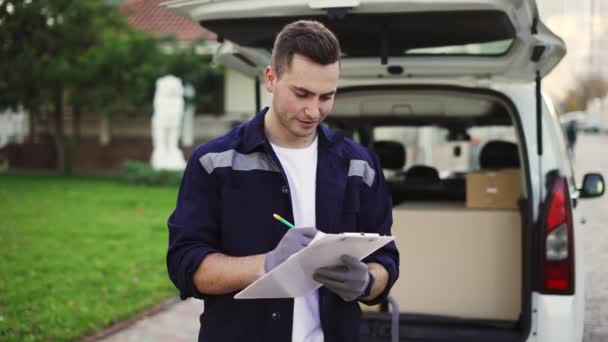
<point>447,93</point>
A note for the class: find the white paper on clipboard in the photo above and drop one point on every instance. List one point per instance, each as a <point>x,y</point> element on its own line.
<point>293,278</point>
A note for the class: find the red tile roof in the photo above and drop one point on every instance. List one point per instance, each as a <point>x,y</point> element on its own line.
<point>148,16</point>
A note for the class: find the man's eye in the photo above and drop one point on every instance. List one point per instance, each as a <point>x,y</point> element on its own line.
<point>326,98</point>
<point>302,95</point>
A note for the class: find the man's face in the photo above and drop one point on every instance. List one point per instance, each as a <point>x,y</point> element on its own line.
<point>302,97</point>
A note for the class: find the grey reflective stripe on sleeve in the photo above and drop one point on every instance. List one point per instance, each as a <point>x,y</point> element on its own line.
<point>237,161</point>
<point>362,169</point>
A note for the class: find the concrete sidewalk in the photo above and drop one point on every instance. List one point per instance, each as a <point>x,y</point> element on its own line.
<point>178,322</point>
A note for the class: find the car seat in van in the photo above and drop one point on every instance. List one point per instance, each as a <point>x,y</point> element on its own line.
<point>422,174</point>
<point>390,153</point>
<point>499,154</point>
<point>392,156</point>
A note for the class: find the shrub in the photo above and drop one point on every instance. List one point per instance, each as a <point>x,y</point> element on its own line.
<point>139,173</point>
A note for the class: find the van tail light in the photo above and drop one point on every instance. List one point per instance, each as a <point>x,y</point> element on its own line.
<point>557,242</point>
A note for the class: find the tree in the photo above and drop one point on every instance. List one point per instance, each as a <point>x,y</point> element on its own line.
<point>116,74</point>
<point>42,42</point>
<point>586,89</point>
<point>84,54</point>
<point>198,71</point>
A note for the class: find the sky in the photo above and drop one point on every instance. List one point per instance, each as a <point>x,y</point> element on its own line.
<point>576,24</point>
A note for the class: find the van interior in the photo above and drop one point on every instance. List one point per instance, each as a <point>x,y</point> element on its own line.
<point>461,268</point>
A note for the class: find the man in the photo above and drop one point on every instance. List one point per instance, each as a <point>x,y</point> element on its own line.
<point>222,234</point>
<point>571,132</point>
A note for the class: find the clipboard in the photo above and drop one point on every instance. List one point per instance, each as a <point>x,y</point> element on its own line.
<point>293,277</point>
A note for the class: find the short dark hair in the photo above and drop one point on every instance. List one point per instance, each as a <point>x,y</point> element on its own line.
<point>308,38</point>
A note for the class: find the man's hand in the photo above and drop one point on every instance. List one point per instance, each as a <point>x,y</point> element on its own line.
<point>294,240</point>
<point>349,280</point>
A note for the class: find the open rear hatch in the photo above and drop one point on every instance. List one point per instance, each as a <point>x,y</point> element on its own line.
<point>502,39</point>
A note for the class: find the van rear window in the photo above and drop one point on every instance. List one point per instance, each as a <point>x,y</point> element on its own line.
<point>495,48</point>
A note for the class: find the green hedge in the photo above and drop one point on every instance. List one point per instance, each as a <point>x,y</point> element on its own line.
<point>139,173</point>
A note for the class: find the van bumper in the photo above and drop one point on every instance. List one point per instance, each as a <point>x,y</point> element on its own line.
<point>557,320</point>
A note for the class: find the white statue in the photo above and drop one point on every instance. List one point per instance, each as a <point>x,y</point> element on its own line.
<point>166,122</point>
<point>14,126</point>
<point>188,123</point>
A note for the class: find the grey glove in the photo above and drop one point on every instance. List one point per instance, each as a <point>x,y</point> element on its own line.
<point>349,280</point>
<point>294,240</point>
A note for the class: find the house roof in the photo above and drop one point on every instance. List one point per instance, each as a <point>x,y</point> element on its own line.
<point>149,17</point>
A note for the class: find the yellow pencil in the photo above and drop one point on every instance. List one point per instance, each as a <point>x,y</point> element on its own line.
<point>283,221</point>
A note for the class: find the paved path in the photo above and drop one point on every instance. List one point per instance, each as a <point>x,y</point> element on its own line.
<point>592,155</point>
<point>177,324</point>
<point>180,321</point>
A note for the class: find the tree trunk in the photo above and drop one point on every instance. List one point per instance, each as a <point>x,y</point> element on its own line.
<point>63,153</point>
<point>105,129</point>
<point>34,114</point>
<point>76,115</point>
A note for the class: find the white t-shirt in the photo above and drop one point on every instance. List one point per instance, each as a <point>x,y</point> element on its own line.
<point>300,166</point>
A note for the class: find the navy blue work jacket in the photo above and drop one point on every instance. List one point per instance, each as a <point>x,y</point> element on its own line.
<point>231,187</point>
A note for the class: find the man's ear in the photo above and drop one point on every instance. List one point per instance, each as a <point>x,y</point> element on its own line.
<point>270,78</point>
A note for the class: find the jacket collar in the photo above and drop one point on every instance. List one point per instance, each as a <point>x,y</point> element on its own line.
<point>254,135</point>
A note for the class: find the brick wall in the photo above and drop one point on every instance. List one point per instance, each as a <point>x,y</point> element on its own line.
<point>87,156</point>
<point>131,140</point>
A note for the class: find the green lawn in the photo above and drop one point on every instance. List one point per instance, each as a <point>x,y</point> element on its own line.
<point>78,254</point>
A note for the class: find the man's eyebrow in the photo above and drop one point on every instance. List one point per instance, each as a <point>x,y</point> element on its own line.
<point>304,90</point>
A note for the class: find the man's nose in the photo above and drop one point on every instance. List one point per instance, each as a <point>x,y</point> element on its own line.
<point>312,109</point>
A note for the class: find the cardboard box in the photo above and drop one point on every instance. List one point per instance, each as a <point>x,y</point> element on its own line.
<point>458,262</point>
<point>498,189</point>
